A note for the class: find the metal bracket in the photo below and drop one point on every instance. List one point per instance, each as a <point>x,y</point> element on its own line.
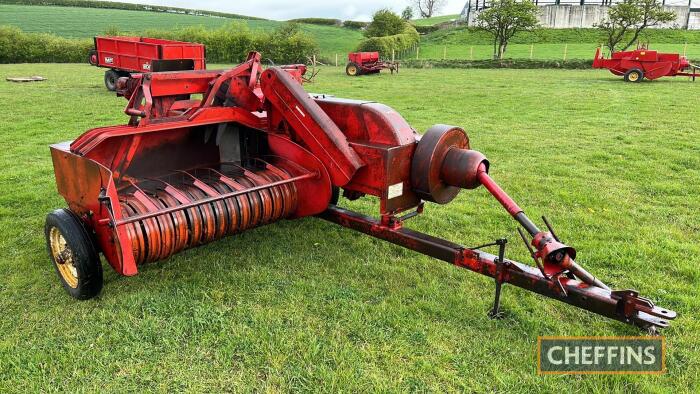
<point>495,312</point>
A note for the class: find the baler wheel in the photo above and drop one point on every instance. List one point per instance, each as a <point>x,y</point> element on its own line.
<point>73,254</point>
<point>634,75</point>
<point>352,69</point>
<point>111,77</point>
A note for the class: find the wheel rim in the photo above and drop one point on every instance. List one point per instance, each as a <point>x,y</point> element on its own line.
<point>352,70</point>
<point>634,77</point>
<point>63,257</point>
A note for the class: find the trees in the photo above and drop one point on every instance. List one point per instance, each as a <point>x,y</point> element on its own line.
<point>428,8</point>
<point>628,19</point>
<point>407,13</point>
<point>384,23</point>
<point>504,19</point>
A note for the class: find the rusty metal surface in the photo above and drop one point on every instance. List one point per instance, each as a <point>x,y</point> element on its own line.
<point>625,306</point>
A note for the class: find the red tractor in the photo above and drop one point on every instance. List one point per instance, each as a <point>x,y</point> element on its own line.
<point>361,63</point>
<point>126,55</point>
<point>642,63</point>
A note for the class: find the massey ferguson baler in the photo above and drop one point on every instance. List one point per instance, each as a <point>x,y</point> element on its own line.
<point>256,149</point>
<point>642,63</point>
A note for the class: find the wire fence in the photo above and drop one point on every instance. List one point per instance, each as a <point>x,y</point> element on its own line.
<point>562,52</point>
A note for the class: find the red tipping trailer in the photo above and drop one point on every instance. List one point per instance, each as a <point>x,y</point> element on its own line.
<point>126,55</point>
<point>642,63</point>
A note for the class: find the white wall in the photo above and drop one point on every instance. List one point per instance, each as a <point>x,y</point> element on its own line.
<point>564,16</point>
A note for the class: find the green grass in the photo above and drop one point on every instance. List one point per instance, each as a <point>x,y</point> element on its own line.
<point>435,20</point>
<point>306,305</point>
<point>87,22</point>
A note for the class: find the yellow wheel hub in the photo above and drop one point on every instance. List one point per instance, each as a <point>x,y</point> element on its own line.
<point>352,70</point>
<point>633,77</point>
<point>63,257</point>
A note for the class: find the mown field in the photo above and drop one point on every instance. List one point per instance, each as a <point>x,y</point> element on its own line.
<point>306,305</point>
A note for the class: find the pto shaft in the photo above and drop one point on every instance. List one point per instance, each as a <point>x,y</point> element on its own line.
<point>560,253</point>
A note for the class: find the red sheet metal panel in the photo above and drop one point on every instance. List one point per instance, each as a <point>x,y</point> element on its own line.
<point>136,54</point>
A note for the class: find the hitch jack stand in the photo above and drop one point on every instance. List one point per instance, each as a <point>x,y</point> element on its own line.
<point>495,313</point>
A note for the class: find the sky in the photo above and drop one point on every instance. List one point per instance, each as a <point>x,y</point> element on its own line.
<point>360,10</point>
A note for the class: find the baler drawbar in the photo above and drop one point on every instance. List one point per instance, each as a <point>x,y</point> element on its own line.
<point>256,148</point>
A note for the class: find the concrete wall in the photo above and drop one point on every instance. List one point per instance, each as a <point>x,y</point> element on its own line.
<point>694,21</point>
<point>565,16</point>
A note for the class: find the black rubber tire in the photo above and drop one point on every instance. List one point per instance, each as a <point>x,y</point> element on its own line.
<point>634,75</point>
<point>111,77</point>
<point>89,57</point>
<point>353,66</point>
<point>83,252</point>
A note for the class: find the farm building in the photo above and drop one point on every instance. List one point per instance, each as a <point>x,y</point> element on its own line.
<point>586,13</point>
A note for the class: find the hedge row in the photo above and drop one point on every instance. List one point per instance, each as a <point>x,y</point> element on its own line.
<point>229,44</point>
<point>355,24</point>
<point>385,45</point>
<point>126,6</point>
<point>426,29</point>
<point>19,47</point>
<point>316,21</point>
<point>573,64</point>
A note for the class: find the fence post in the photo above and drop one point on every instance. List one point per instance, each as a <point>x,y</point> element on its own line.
<point>532,49</point>
<point>685,49</point>
<point>471,53</point>
<point>336,60</point>
<point>314,60</point>
<point>566,47</point>
<point>417,52</point>
<point>393,55</point>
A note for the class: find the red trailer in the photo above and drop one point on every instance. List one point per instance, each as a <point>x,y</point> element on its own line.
<point>360,63</point>
<point>642,63</point>
<point>126,55</point>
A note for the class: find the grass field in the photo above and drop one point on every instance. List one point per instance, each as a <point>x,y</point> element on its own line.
<point>539,51</point>
<point>87,22</point>
<point>306,305</point>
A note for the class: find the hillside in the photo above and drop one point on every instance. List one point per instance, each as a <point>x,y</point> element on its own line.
<point>453,43</point>
<point>73,22</point>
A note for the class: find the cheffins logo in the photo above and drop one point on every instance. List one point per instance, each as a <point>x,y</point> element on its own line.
<point>601,355</point>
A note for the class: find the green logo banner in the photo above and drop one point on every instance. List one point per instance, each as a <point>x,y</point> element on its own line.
<point>603,355</point>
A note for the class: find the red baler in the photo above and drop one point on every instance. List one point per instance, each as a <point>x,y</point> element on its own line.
<point>256,149</point>
<point>361,63</point>
<point>642,63</point>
